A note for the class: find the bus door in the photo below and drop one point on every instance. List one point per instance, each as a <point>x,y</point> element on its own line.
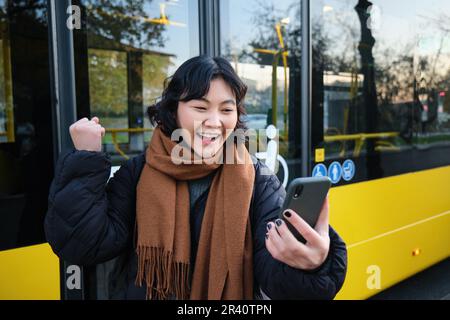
<point>123,53</point>
<point>28,267</point>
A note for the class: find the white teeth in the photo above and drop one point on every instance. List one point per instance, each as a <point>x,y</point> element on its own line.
<point>209,136</point>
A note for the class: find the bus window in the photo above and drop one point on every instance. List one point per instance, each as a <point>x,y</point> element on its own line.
<point>432,68</point>
<point>108,92</point>
<point>122,57</point>
<point>6,101</point>
<point>380,82</point>
<point>123,52</point>
<point>26,139</point>
<point>262,42</point>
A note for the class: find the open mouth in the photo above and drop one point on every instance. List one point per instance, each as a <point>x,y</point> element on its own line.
<point>208,137</point>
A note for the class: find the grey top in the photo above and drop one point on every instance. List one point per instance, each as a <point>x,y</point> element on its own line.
<point>197,187</point>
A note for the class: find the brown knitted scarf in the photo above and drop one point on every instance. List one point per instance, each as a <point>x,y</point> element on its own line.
<point>224,264</point>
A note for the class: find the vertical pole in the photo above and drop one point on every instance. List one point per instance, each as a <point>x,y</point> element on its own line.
<point>209,27</point>
<point>64,114</point>
<point>306,81</point>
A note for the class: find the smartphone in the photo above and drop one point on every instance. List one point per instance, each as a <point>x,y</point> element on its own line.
<point>305,196</point>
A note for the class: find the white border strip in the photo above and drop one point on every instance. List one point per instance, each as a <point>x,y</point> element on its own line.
<point>397,230</point>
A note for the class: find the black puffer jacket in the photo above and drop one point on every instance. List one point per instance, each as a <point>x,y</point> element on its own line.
<point>91,220</point>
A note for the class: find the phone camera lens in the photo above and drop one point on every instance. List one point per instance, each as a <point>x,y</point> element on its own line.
<point>298,191</point>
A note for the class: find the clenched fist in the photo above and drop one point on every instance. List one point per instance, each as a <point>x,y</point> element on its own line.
<point>87,135</point>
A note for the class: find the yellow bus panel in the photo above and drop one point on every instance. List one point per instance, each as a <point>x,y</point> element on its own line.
<point>394,227</point>
<point>29,273</point>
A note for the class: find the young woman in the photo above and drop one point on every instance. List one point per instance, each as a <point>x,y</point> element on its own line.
<point>190,230</point>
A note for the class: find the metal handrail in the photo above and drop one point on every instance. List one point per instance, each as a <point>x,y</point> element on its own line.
<point>360,138</point>
<point>114,133</point>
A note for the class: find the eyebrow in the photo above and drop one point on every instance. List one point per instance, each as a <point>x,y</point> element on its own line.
<point>228,101</point>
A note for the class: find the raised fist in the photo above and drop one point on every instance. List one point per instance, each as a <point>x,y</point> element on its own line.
<point>87,134</point>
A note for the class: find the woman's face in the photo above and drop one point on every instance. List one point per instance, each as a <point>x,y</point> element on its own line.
<point>209,120</point>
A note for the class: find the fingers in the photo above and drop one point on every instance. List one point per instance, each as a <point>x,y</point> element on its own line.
<point>283,246</point>
<point>281,238</point>
<point>285,234</point>
<point>274,243</point>
<point>273,235</point>
<point>322,225</point>
<point>85,123</point>
<point>271,247</point>
<point>302,226</point>
<point>96,121</point>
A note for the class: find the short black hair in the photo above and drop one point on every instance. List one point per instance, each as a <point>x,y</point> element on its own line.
<point>192,81</point>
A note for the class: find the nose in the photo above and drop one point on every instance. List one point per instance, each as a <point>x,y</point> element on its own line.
<point>213,120</point>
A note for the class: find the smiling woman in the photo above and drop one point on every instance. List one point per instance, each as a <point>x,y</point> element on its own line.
<point>210,120</point>
<point>193,86</point>
<point>204,97</point>
<point>197,230</point>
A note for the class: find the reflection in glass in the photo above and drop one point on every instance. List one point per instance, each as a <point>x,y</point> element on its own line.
<point>6,99</point>
<point>132,47</point>
<point>380,81</point>
<point>262,41</point>
<point>26,139</point>
<point>108,76</point>
<point>432,68</point>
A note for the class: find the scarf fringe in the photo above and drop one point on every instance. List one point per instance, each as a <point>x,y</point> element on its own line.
<point>163,276</point>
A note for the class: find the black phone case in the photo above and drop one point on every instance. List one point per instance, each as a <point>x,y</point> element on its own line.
<point>305,196</point>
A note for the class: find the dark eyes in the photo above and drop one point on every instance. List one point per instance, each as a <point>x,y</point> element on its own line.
<point>227,110</point>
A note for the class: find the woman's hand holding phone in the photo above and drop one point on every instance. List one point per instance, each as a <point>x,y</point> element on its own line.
<point>283,245</point>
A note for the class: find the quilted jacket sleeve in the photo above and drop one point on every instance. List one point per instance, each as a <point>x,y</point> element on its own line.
<point>276,279</point>
<point>89,221</point>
